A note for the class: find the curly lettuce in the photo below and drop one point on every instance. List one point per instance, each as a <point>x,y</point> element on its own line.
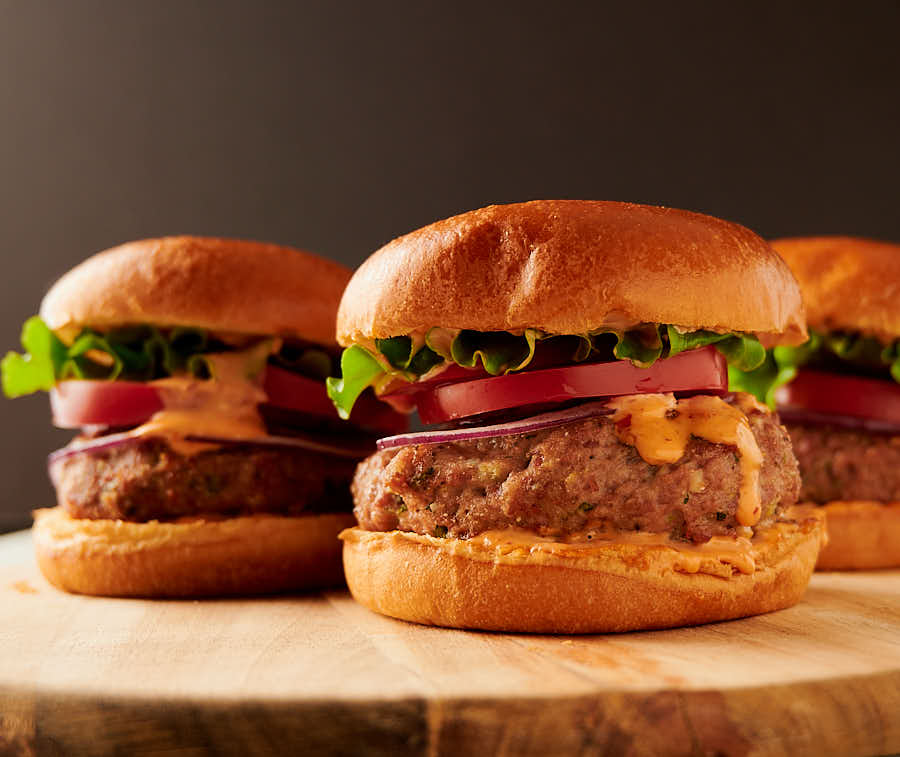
<point>498,352</point>
<point>841,350</point>
<point>863,352</point>
<point>307,361</point>
<point>359,370</point>
<point>139,353</point>
<point>135,353</point>
<point>891,356</point>
<point>38,368</point>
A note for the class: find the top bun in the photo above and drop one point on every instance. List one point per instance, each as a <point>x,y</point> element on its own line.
<point>224,285</point>
<point>569,267</point>
<point>848,283</point>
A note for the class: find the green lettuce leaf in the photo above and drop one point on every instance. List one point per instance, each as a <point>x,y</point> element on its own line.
<point>861,351</point>
<point>398,350</point>
<point>37,369</point>
<point>307,361</point>
<point>761,382</point>
<point>424,360</point>
<point>497,351</point>
<point>854,348</point>
<point>399,353</point>
<point>778,367</point>
<point>890,356</point>
<point>689,340</point>
<point>643,347</point>
<point>134,353</point>
<point>828,350</point>
<point>743,351</point>
<point>359,370</point>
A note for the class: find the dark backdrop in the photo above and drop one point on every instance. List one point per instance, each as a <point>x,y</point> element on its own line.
<point>337,126</point>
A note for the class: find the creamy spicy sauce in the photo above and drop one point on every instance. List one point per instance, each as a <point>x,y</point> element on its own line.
<point>224,406</point>
<point>721,556</point>
<point>735,551</point>
<point>659,427</point>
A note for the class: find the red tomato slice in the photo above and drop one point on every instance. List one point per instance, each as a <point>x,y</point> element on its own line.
<point>80,403</point>
<point>838,394</point>
<point>292,392</point>
<point>701,370</point>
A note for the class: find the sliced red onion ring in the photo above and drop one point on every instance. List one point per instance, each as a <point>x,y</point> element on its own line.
<point>812,418</point>
<point>93,445</point>
<point>522,426</point>
<point>351,449</point>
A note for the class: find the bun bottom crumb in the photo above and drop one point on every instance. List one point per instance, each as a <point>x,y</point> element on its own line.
<point>195,557</point>
<point>610,587</point>
<point>861,536</point>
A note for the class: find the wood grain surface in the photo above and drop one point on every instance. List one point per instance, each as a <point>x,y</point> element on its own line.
<point>321,675</point>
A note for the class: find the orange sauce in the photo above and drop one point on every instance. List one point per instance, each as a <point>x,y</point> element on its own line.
<point>659,427</point>
<point>735,551</point>
<point>721,556</point>
<point>224,406</point>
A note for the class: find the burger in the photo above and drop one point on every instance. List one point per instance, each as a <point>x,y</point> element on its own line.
<point>584,467</point>
<point>209,460</point>
<point>839,394</point>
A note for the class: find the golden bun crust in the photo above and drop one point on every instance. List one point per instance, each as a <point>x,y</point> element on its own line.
<point>572,266</point>
<point>224,285</point>
<point>861,536</point>
<point>621,587</point>
<point>259,554</point>
<point>848,283</point>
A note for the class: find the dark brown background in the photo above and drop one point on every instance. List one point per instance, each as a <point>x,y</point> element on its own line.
<point>337,126</point>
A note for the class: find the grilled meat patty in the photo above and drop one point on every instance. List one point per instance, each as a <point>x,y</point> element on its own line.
<point>844,464</point>
<point>566,479</point>
<point>147,480</point>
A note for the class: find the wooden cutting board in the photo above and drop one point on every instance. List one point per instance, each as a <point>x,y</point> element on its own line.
<point>321,675</point>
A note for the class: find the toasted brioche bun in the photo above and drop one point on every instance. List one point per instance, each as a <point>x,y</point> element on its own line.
<point>613,587</point>
<point>245,555</point>
<point>569,267</point>
<point>861,536</point>
<point>224,285</point>
<point>848,283</point>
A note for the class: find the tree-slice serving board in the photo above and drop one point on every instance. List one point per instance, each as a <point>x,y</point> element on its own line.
<point>321,675</point>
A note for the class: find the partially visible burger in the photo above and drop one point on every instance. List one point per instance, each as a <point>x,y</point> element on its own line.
<point>586,468</point>
<point>840,398</point>
<point>209,459</point>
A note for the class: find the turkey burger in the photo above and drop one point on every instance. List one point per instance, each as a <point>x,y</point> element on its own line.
<point>209,460</point>
<point>840,394</point>
<point>585,467</point>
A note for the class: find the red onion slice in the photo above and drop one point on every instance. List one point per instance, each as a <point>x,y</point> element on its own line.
<point>351,449</point>
<point>522,426</point>
<point>93,445</point>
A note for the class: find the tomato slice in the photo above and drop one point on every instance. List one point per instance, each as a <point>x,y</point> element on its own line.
<point>700,370</point>
<point>293,392</point>
<point>79,403</point>
<point>304,395</point>
<point>839,394</point>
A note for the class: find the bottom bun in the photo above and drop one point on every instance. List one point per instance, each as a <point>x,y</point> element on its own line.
<point>257,554</point>
<point>549,587</point>
<point>861,536</point>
